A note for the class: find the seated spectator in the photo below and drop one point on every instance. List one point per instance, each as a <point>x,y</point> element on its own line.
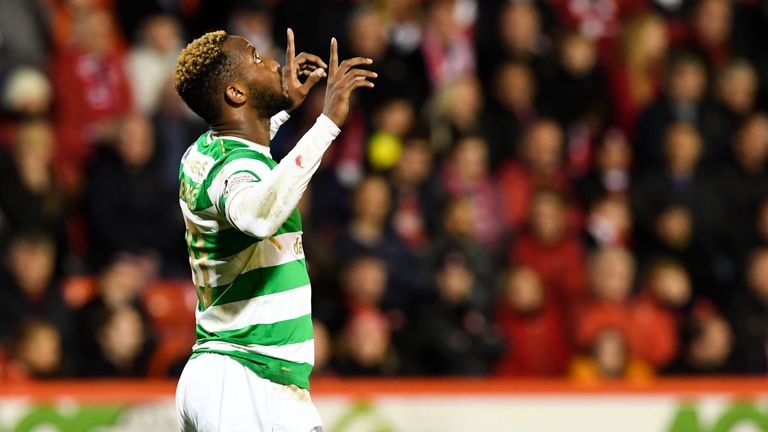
<point>369,233</point>
<point>454,112</point>
<point>710,35</point>
<point>446,44</point>
<point>323,350</point>
<point>118,287</point>
<point>659,312</point>
<point>456,338</point>
<point>609,359</point>
<point>736,92</point>
<point>128,209</point>
<point>534,332</point>
<point>749,315</point>
<point>27,286</point>
<point>417,195</point>
<point>540,167</point>
<point>123,345</point>
<point>149,65</point>
<point>365,349</point>
<point>610,174</point>
<point>609,223</point>
<point>707,345</point>
<point>25,94</point>
<point>549,247</point>
<point>364,283</point>
<point>35,352</point>
<point>465,174</point>
<point>30,198</point>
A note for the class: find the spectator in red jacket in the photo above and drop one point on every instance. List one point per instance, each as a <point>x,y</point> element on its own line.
<point>91,92</point>
<point>534,332</point>
<point>552,250</point>
<point>540,166</point>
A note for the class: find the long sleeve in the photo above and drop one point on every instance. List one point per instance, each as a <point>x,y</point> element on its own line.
<point>276,121</point>
<point>257,200</point>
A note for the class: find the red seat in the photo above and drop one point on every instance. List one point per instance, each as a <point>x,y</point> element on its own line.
<point>170,303</point>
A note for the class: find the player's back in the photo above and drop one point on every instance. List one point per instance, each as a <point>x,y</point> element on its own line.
<point>254,295</point>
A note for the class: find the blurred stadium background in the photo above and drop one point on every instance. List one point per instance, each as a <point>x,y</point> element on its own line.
<point>549,215</point>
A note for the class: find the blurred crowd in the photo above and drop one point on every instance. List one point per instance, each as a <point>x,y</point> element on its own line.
<point>549,188</point>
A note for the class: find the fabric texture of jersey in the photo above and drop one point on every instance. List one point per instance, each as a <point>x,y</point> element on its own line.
<point>254,294</point>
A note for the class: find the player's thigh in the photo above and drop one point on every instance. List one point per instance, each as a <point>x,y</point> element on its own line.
<point>216,393</point>
<point>293,410</point>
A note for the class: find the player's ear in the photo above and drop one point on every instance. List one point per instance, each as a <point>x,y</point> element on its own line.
<point>235,94</point>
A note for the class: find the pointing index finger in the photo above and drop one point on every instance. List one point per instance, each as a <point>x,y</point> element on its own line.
<point>291,50</point>
<point>334,60</point>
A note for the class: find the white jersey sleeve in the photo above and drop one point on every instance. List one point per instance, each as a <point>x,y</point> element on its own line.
<point>276,121</point>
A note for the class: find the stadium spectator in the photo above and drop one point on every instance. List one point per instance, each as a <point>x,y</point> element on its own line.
<point>123,345</point>
<point>511,109</point>
<point>364,348</point>
<point>465,174</point>
<point>28,289</point>
<point>456,338</point>
<point>149,65</point>
<point>35,352</point>
<point>554,251</point>
<point>392,120</point>
<point>417,195</point>
<point>454,112</point>
<point>609,359</point>
<point>610,173</point>
<point>711,27</point>
<point>540,167</point>
<point>30,198</point>
<point>678,210</point>
<point>736,92</point>
<point>609,223</point>
<point>535,335</point>
<point>749,314</point>
<point>446,44</point>
<point>369,233</point>
<point>707,345</point>
<point>128,209</point>
<point>683,101</point>
<point>635,79</point>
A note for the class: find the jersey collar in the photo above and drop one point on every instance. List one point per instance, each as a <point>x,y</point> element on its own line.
<point>251,145</point>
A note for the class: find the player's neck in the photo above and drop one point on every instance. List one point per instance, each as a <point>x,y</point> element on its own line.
<point>254,129</point>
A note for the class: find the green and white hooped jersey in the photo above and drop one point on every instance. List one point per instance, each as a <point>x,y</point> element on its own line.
<point>254,295</point>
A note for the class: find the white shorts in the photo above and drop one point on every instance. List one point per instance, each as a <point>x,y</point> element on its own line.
<point>216,393</point>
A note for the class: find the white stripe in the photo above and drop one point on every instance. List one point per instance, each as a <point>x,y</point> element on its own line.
<point>267,309</point>
<point>302,352</point>
<point>197,165</point>
<point>205,226</point>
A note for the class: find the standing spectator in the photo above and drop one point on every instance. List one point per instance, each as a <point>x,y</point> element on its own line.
<point>711,23</point>
<point>121,338</point>
<point>369,233</point>
<point>91,92</point>
<point>677,209</point>
<point>417,195</point>
<point>511,110</point>
<point>635,82</point>
<point>465,174</point>
<point>128,209</point>
<point>30,198</point>
<point>149,65</point>
<point>682,102</point>
<point>555,252</point>
<point>540,167</point>
<point>454,112</point>
<point>736,92</point>
<point>446,44</point>
<point>610,173</point>
<point>534,331</point>
<point>609,223</point>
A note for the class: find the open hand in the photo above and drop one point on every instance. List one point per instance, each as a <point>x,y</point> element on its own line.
<point>304,65</point>
<point>342,80</point>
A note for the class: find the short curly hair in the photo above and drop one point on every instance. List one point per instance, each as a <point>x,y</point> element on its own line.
<point>201,71</point>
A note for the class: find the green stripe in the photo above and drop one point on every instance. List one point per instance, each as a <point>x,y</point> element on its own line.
<point>275,370</point>
<point>286,332</point>
<point>262,281</point>
<point>223,243</point>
